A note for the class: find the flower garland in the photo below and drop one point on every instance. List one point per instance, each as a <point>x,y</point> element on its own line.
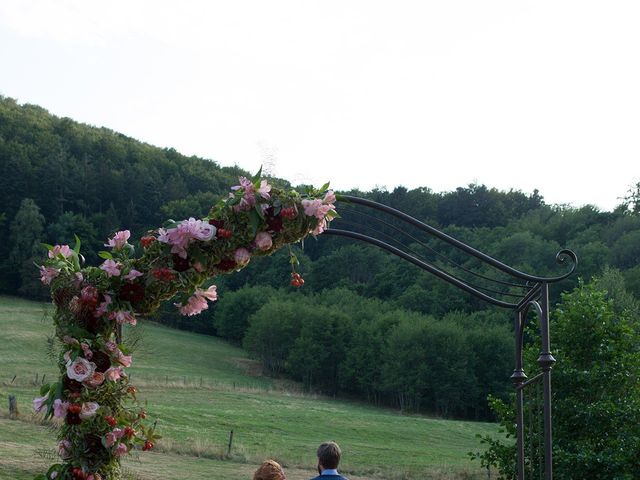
<point>97,428</point>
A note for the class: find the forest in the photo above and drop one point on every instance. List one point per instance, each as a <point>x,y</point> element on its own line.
<point>365,325</point>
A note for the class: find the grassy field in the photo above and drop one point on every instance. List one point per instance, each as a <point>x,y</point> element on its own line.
<point>200,388</point>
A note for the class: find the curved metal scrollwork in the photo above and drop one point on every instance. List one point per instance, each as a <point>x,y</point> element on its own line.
<point>493,282</point>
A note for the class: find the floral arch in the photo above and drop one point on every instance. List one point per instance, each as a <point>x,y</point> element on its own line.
<point>97,428</point>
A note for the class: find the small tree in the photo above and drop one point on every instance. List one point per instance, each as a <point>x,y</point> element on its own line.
<point>596,392</point>
<point>25,235</point>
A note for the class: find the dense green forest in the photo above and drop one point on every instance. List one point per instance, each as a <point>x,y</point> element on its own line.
<point>365,324</point>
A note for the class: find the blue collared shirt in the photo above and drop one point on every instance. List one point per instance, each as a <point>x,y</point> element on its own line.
<point>332,471</point>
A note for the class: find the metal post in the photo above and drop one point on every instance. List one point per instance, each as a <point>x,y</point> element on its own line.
<point>546,361</point>
<point>518,378</point>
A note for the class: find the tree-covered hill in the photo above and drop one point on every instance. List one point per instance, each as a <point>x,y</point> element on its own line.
<point>59,178</point>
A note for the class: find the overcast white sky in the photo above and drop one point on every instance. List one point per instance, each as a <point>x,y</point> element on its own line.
<point>513,94</point>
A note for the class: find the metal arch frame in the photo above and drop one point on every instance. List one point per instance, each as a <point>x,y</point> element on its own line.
<point>535,295</point>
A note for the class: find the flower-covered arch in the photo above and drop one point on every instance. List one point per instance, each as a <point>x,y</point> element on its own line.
<point>97,423</point>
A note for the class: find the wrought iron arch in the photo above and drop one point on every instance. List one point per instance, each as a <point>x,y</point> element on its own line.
<point>493,282</point>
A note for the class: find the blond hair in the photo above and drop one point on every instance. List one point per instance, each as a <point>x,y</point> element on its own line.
<point>269,470</point>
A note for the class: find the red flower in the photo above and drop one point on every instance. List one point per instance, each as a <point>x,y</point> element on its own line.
<point>147,240</point>
<point>226,264</point>
<point>216,223</point>
<point>129,432</point>
<point>180,264</point>
<point>147,446</point>
<point>164,274</point>
<point>132,292</point>
<point>111,420</point>
<point>289,213</point>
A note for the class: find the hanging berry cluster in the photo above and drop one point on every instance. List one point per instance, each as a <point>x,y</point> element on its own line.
<point>94,399</point>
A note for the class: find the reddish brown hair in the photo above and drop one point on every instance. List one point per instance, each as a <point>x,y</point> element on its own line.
<point>269,470</point>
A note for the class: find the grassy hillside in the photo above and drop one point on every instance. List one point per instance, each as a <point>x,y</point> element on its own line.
<point>200,388</point>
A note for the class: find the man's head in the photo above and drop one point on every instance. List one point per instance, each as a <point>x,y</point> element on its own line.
<point>328,456</point>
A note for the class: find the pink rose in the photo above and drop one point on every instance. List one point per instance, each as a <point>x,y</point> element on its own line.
<point>264,241</point>
<point>112,268</point>
<point>60,408</point>
<point>111,346</point>
<point>80,369</point>
<point>39,403</point>
<point>95,380</point>
<point>63,250</point>
<point>119,240</point>
<point>89,409</point>
<point>242,256</point>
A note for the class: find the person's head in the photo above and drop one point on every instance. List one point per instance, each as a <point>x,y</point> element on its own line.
<point>269,470</point>
<point>328,456</point>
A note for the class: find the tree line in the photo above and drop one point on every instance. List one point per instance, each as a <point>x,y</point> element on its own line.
<point>59,178</point>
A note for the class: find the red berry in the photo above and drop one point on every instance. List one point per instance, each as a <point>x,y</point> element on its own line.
<point>75,408</point>
<point>147,446</point>
<point>142,414</point>
<point>224,233</point>
<point>295,283</point>
<point>111,420</point>
<point>129,432</point>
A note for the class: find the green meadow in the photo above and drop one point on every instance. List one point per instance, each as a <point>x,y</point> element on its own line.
<point>199,389</point>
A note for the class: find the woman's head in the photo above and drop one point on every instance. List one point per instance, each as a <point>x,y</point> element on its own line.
<point>269,470</point>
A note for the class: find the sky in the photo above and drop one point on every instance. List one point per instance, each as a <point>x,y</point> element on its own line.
<point>514,94</point>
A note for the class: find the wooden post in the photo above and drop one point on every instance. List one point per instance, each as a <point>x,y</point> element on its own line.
<point>13,407</point>
<point>230,442</point>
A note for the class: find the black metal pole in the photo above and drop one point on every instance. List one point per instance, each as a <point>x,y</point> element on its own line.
<point>546,361</point>
<point>518,378</point>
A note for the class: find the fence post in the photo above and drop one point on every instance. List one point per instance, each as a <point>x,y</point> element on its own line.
<point>13,407</point>
<point>230,442</point>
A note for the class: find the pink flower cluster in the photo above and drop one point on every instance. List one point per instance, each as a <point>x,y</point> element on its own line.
<point>119,240</point>
<point>248,200</point>
<point>123,316</point>
<point>319,209</point>
<point>111,267</point>
<point>188,230</point>
<point>198,301</point>
<point>47,274</point>
<point>63,250</point>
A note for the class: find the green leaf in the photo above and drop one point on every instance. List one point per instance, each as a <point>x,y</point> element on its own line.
<point>325,187</point>
<point>47,246</point>
<point>106,255</point>
<point>44,389</point>
<point>257,175</point>
<point>254,221</point>
<point>259,210</point>
<point>76,247</point>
